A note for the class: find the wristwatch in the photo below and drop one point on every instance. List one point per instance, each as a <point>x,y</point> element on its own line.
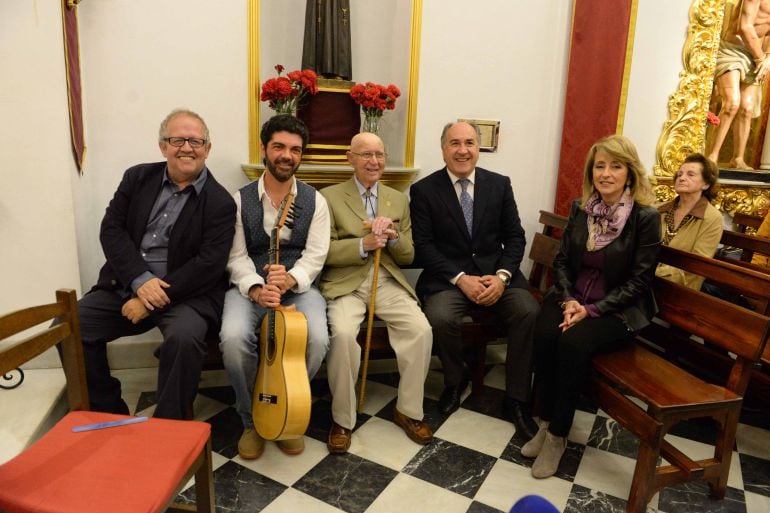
<point>504,278</point>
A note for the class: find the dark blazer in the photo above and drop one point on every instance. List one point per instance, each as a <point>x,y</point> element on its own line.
<point>442,244</point>
<point>199,244</point>
<point>629,265</point>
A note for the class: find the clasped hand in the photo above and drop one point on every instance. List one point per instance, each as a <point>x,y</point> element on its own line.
<point>152,295</point>
<point>482,290</point>
<point>573,313</point>
<point>382,231</point>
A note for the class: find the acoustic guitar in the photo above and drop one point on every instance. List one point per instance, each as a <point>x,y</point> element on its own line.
<point>281,404</point>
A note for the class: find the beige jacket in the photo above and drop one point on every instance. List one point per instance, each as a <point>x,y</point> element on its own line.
<point>345,270</point>
<point>700,236</point>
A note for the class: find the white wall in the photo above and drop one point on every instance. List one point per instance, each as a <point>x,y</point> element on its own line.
<point>502,60</point>
<point>661,30</point>
<point>141,59</point>
<point>38,251</point>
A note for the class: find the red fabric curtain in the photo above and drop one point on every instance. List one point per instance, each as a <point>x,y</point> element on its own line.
<point>594,86</point>
<point>74,90</point>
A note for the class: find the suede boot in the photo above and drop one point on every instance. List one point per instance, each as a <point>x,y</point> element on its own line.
<point>532,448</point>
<point>547,461</point>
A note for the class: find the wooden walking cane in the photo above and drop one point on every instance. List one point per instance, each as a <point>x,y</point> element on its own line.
<point>369,323</point>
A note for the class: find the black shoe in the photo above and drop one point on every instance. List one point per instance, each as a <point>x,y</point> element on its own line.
<point>451,397</point>
<point>518,413</point>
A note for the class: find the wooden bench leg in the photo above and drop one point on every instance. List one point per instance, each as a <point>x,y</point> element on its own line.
<point>723,452</point>
<point>643,482</point>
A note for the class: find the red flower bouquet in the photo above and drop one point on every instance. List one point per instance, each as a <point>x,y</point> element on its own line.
<point>285,93</point>
<point>374,99</point>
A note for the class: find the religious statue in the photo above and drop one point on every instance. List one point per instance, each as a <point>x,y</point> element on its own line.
<point>326,48</point>
<point>743,63</point>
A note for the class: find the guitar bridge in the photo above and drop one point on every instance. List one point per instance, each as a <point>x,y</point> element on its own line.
<point>268,398</point>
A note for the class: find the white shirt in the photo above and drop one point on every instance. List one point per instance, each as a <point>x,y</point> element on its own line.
<point>241,267</point>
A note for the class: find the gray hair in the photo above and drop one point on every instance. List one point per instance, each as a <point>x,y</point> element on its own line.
<point>453,123</point>
<point>163,133</point>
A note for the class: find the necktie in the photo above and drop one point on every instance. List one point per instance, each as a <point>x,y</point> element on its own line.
<point>466,203</point>
<point>369,204</point>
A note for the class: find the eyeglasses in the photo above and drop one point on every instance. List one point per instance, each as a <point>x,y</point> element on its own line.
<point>369,154</point>
<point>178,142</point>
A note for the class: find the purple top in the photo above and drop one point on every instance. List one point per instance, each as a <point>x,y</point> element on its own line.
<point>589,285</point>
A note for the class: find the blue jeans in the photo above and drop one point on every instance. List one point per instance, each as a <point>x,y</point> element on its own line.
<point>241,320</point>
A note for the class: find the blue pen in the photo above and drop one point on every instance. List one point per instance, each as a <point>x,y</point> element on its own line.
<point>114,423</point>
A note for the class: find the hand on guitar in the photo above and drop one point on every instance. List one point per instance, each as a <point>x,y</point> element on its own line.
<point>266,296</point>
<point>277,275</point>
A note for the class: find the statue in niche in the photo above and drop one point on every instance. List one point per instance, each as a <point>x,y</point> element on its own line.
<point>326,48</point>
<point>742,66</point>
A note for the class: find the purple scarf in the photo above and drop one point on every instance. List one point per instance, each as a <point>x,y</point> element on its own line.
<point>606,222</point>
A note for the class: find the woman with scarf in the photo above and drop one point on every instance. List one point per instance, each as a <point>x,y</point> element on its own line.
<point>690,222</point>
<point>602,293</point>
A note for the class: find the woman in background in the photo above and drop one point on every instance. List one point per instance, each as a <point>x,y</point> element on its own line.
<point>690,222</point>
<point>602,293</point>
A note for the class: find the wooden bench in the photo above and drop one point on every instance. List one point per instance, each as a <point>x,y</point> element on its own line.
<point>671,394</point>
<point>747,222</point>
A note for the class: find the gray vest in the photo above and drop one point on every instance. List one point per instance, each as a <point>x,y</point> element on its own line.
<point>258,242</point>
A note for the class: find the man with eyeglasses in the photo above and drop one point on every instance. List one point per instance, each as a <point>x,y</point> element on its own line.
<point>166,235</point>
<point>367,216</point>
<point>470,243</point>
<point>258,285</point>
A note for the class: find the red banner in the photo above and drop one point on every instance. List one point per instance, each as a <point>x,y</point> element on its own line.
<point>594,86</point>
<point>74,89</point>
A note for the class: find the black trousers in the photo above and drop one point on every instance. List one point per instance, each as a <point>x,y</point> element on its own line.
<point>181,353</point>
<point>516,310</point>
<point>563,360</point>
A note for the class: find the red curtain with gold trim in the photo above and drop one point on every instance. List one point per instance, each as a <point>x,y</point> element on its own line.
<point>74,90</point>
<point>594,86</point>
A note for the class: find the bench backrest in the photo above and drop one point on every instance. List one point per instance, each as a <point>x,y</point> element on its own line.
<point>545,247</point>
<point>749,244</point>
<point>724,324</point>
<point>744,221</point>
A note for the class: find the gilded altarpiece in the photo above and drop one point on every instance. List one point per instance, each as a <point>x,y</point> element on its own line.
<point>685,130</point>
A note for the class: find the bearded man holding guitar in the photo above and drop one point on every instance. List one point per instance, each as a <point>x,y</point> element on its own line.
<point>260,285</point>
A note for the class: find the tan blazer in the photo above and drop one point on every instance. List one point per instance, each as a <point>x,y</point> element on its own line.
<point>345,270</point>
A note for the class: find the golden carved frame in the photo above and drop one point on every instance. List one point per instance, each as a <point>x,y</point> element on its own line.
<point>411,106</point>
<point>685,130</point>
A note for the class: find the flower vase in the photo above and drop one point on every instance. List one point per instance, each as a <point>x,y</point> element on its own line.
<point>286,107</point>
<point>371,124</point>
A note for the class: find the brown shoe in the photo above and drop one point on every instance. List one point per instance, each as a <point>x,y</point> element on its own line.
<point>292,446</point>
<point>339,439</point>
<point>251,445</point>
<point>417,430</point>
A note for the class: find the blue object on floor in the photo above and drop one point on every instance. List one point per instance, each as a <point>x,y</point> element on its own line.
<point>533,504</point>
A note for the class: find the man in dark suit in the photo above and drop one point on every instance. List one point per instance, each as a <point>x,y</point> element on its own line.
<point>469,240</point>
<point>166,234</point>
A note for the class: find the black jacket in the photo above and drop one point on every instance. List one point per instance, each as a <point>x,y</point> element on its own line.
<point>629,265</point>
<point>198,247</point>
<point>442,244</point>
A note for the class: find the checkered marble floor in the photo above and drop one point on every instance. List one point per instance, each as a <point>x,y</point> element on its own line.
<point>473,465</point>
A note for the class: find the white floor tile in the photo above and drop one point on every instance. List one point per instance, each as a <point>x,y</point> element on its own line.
<point>756,503</point>
<point>508,482</point>
<point>605,472</point>
<point>754,441</point>
<point>476,431</point>
<point>283,468</point>
<point>376,434</point>
<point>410,494</point>
<point>294,501</point>
<point>376,395</point>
